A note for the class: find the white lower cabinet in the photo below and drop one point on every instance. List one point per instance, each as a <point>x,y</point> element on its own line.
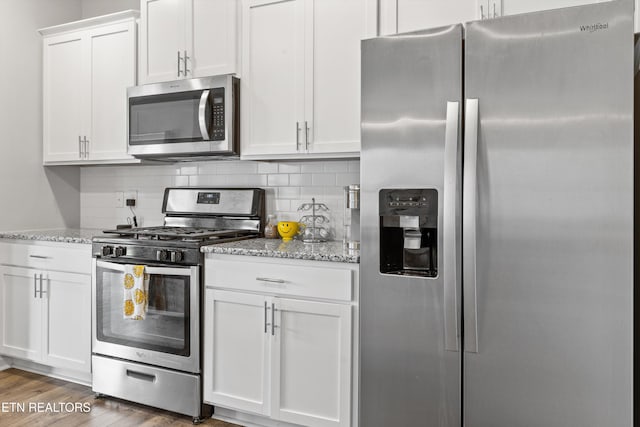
<point>311,363</point>
<point>237,351</point>
<point>45,313</point>
<point>45,317</point>
<point>272,353</point>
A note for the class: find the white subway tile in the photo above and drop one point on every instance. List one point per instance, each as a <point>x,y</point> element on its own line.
<point>354,166</point>
<point>188,170</point>
<point>299,179</point>
<point>181,181</point>
<point>309,192</point>
<point>323,179</point>
<point>236,167</point>
<point>267,167</point>
<point>332,192</point>
<point>343,179</point>
<point>336,166</point>
<point>208,168</point>
<point>289,168</point>
<point>288,192</point>
<point>277,180</point>
<point>311,167</point>
<point>213,180</point>
<point>283,205</point>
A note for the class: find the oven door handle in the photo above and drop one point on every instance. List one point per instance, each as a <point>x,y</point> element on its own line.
<point>202,115</point>
<point>164,271</point>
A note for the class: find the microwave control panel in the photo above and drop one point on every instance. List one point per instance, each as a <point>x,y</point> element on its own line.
<point>217,133</point>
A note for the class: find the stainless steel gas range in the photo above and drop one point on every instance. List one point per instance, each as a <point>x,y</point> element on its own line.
<point>157,361</point>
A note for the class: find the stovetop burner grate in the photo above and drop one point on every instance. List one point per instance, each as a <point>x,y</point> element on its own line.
<point>187,234</point>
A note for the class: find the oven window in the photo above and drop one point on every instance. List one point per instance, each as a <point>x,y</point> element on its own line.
<point>169,118</point>
<point>166,326</point>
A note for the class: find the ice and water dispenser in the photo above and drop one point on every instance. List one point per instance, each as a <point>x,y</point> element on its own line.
<point>409,232</point>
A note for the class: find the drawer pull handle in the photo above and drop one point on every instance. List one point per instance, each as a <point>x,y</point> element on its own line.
<point>266,279</point>
<point>39,256</point>
<point>141,376</point>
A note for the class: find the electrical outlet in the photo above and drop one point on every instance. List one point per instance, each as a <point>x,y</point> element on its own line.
<point>119,199</point>
<point>131,195</point>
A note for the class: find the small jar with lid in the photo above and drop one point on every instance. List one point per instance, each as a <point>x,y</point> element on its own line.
<point>271,228</point>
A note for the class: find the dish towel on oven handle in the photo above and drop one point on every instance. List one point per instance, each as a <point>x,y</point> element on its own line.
<point>136,292</point>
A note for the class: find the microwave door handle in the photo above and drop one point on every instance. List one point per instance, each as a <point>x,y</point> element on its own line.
<point>202,111</point>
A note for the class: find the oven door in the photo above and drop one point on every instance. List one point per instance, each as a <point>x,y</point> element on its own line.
<point>169,336</point>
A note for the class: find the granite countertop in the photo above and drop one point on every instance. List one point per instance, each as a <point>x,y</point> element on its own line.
<point>295,249</point>
<point>63,235</point>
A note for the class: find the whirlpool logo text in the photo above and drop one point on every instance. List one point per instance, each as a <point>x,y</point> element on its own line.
<point>594,27</point>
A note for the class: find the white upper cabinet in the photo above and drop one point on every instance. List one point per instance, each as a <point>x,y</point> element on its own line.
<point>401,16</point>
<point>108,80</point>
<point>64,98</point>
<point>272,83</point>
<point>87,67</point>
<point>301,76</point>
<point>187,38</point>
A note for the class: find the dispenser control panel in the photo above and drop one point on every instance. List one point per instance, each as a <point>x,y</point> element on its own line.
<point>409,232</point>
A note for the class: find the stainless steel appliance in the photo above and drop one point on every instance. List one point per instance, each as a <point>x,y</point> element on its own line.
<point>185,118</point>
<point>158,361</point>
<point>497,222</point>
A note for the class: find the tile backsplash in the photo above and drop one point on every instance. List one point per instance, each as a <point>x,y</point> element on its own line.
<point>287,184</point>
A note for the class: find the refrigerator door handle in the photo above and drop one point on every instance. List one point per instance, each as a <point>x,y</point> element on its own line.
<point>469,205</point>
<point>451,262</point>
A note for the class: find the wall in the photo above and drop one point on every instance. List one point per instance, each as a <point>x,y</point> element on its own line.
<point>287,184</point>
<point>32,196</point>
<point>91,8</point>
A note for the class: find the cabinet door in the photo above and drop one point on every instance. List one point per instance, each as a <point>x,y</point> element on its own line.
<point>272,76</point>
<point>163,33</point>
<point>64,99</point>
<point>401,16</point>
<point>21,319</point>
<point>512,7</point>
<point>236,350</point>
<point>212,37</point>
<point>334,31</point>
<point>112,70</point>
<point>67,315</point>
<point>311,363</point>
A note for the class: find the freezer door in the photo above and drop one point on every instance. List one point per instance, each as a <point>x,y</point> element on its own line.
<point>410,324</point>
<point>549,333</point>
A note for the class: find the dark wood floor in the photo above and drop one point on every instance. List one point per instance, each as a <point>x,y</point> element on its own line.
<point>20,387</point>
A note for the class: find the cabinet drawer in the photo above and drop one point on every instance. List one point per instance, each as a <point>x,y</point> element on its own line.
<point>74,258</point>
<point>283,279</point>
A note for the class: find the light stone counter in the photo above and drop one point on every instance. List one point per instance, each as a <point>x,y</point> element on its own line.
<point>295,249</point>
<point>63,235</point>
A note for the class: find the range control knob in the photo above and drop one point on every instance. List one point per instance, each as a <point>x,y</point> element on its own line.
<point>162,255</point>
<point>177,256</point>
<point>107,250</point>
<point>120,251</point>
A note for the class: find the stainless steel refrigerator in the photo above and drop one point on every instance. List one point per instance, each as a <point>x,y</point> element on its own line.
<point>497,222</point>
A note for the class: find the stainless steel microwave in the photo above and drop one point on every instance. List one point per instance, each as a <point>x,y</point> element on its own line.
<point>185,118</point>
